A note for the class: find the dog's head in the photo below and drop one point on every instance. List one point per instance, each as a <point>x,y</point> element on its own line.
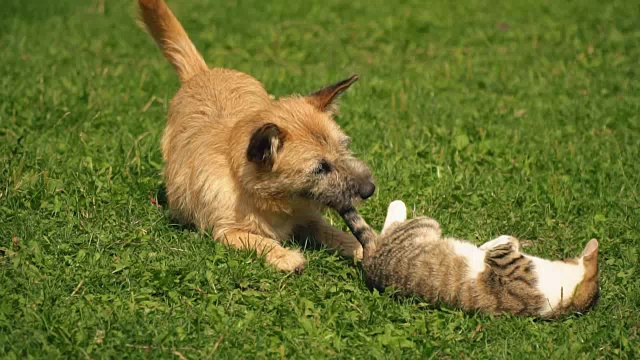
<point>298,152</point>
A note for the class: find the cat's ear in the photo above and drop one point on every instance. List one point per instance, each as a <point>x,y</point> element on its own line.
<point>590,256</point>
<point>590,252</point>
<point>397,212</point>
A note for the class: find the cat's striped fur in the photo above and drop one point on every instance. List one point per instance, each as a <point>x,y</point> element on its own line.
<point>412,257</point>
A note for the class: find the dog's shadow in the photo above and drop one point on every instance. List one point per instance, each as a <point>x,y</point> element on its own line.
<point>161,195</point>
<point>162,202</point>
<point>300,235</point>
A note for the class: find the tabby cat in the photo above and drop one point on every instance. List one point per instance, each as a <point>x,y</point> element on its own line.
<point>412,257</point>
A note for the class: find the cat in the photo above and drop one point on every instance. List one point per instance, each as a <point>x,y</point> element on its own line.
<point>412,257</point>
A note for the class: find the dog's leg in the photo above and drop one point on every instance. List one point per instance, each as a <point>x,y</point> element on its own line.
<point>333,238</point>
<point>276,255</point>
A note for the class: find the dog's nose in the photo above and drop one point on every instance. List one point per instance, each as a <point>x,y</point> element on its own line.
<point>366,190</point>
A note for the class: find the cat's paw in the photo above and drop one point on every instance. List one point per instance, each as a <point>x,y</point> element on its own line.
<point>501,240</point>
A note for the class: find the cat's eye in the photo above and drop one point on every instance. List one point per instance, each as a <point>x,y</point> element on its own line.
<point>323,168</point>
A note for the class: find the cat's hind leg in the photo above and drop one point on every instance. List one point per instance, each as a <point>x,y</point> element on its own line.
<point>501,240</point>
<point>396,213</point>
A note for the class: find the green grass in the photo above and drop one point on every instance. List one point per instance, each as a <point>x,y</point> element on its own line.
<point>495,119</point>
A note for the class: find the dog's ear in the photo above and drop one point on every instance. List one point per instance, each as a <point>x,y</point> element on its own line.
<point>324,99</point>
<point>264,145</point>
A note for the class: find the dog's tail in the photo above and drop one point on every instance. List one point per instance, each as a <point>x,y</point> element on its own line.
<point>171,38</point>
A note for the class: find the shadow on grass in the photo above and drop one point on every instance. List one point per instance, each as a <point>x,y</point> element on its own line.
<point>162,202</point>
<point>299,238</point>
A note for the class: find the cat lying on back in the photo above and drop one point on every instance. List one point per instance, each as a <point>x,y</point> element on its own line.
<point>412,257</point>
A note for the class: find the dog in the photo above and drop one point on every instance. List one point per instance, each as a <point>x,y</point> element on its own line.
<point>253,169</point>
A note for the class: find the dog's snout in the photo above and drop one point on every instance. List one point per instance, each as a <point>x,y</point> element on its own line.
<point>366,190</point>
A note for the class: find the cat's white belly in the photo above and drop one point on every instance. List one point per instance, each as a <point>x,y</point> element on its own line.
<point>473,255</point>
<point>556,280</point>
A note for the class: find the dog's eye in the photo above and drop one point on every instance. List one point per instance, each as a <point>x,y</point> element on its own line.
<point>322,168</point>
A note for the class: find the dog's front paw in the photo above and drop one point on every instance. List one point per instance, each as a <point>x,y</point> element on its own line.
<point>352,250</point>
<point>286,260</point>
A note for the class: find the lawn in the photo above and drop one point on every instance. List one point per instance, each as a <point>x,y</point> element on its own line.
<point>512,118</point>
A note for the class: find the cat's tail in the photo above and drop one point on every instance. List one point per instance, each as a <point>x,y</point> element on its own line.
<point>174,42</point>
<point>361,230</point>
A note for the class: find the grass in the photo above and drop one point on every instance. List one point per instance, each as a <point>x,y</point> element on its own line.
<point>494,118</point>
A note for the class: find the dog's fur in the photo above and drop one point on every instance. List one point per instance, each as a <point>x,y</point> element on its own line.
<point>251,168</point>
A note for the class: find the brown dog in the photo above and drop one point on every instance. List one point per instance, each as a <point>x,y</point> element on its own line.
<point>253,169</point>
